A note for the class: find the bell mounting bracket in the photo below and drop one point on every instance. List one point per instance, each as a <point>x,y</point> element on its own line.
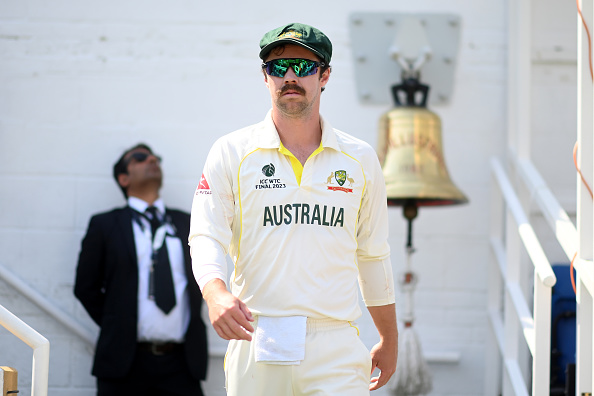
<point>389,47</point>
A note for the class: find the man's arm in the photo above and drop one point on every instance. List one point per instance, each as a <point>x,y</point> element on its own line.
<point>88,286</point>
<point>229,316</point>
<point>385,353</point>
<point>211,232</point>
<point>375,273</point>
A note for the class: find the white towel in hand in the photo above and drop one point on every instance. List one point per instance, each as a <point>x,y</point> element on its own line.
<point>280,340</point>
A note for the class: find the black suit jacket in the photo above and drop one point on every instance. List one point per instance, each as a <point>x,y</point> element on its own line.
<point>107,286</point>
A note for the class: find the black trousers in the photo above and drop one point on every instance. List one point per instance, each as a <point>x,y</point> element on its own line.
<point>153,375</point>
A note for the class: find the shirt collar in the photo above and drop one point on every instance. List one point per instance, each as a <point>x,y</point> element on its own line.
<point>140,206</point>
<point>268,137</point>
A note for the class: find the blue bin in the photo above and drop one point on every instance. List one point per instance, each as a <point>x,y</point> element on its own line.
<point>563,325</point>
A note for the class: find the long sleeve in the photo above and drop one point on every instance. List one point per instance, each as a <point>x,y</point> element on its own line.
<point>211,221</point>
<point>89,287</point>
<point>373,253</point>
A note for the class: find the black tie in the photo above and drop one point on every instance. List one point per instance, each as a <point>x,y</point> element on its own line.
<point>162,280</point>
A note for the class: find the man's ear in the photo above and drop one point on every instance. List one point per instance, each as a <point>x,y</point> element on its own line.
<point>124,180</point>
<point>265,79</point>
<point>325,76</point>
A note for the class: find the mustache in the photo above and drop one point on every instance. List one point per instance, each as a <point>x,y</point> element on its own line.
<point>295,88</point>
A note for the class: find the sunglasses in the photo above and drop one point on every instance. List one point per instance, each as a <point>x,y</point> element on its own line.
<point>301,67</point>
<point>140,157</point>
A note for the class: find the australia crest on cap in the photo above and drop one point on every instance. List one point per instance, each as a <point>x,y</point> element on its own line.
<point>292,34</point>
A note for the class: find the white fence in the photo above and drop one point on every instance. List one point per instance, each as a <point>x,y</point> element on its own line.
<point>40,345</point>
<point>509,370</point>
<point>536,328</point>
<point>513,320</point>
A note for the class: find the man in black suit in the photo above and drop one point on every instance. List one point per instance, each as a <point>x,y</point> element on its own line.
<point>135,280</point>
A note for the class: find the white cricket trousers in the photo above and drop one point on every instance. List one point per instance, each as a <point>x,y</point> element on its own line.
<point>336,364</point>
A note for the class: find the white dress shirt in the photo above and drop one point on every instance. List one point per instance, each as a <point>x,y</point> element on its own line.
<point>154,324</point>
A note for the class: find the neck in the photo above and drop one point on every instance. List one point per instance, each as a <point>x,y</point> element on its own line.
<point>300,135</point>
<point>148,196</point>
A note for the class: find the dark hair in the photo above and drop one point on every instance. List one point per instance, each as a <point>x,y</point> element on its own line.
<point>278,50</point>
<point>121,167</point>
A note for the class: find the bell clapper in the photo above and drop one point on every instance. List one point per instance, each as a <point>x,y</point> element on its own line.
<point>409,279</point>
<point>410,212</point>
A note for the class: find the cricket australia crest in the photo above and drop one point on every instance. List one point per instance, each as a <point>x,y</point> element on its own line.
<point>341,177</point>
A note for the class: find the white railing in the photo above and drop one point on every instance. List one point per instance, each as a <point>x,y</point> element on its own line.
<point>512,319</point>
<point>553,213</point>
<point>568,236</point>
<point>37,342</point>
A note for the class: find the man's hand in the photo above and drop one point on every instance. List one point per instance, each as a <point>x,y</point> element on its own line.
<point>229,316</point>
<point>385,353</point>
<point>383,357</point>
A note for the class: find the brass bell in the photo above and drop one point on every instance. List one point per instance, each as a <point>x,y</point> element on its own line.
<point>410,152</point>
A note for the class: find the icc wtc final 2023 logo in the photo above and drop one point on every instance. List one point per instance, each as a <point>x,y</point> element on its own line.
<point>268,182</point>
<point>268,170</point>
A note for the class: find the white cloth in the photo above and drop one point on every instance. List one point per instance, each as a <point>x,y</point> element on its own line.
<point>153,324</point>
<point>280,340</point>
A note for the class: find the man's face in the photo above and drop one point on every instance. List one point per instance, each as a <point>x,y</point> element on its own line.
<point>295,96</point>
<point>143,168</point>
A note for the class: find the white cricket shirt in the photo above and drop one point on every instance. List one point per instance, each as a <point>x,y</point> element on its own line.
<point>299,237</point>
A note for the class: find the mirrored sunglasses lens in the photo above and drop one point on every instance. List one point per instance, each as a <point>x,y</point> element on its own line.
<point>304,67</point>
<point>277,68</point>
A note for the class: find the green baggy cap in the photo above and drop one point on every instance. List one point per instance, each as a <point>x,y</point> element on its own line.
<point>297,33</point>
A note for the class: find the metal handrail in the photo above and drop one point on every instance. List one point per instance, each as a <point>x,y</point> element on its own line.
<point>554,214</point>
<point>519,302</point>
<point>516,378</point>
<point>558,219</point>
<point>523,313</point>
<point>535,327</point>
<point>540,261</point>
<point>37,342</point>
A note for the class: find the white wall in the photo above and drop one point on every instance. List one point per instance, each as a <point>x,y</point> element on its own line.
<point>80,82</point>
<point>554,107</point>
